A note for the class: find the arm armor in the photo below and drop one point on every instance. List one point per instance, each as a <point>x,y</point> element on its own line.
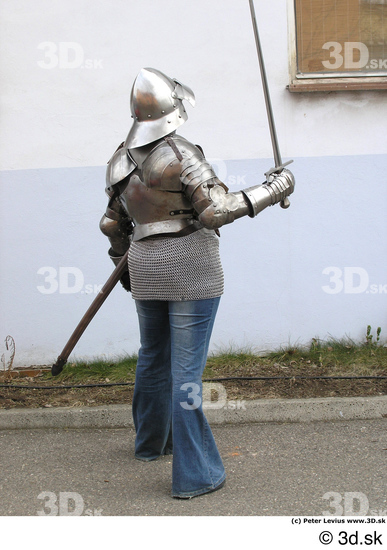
<point>117,231</point>
<point>215,206</point>
<point>116,225</point>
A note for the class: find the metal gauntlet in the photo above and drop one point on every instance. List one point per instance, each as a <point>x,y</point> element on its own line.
<point>125,278</point>
<point>267,194</point>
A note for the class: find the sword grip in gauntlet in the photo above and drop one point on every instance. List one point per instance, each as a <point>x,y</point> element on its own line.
<point>260,197</point>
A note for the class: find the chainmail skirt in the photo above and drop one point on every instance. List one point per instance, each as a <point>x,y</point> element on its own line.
<point>176,268</point>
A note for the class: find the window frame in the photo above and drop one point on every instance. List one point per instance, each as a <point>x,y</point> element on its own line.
<point>320,82</point>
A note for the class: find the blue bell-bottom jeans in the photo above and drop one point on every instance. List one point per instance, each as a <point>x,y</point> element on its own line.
<point>167,401</point>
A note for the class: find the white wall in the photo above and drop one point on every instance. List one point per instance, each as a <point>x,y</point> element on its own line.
<point>61,124</point>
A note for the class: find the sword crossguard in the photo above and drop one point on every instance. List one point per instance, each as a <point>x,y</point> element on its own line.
<point>276,170</point>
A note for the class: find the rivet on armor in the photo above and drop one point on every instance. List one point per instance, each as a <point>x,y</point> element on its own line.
<point>162,112</point>
<point>149,116</point>
<point>169,122</point>
<point>172,213</point>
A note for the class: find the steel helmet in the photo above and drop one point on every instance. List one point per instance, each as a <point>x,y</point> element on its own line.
<point>157,108</point>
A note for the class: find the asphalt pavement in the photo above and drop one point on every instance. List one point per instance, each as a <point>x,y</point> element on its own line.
<point>275,468</point>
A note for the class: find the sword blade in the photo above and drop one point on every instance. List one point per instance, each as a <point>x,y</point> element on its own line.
<point>273,134</point>
<point>269,110</point>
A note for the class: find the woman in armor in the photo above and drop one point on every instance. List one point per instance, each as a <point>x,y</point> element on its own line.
<point>166,206</point>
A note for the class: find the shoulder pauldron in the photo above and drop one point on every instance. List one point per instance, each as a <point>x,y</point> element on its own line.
<point>119,166</point>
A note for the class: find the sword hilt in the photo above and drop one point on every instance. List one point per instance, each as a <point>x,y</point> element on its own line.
<point>277,170</point>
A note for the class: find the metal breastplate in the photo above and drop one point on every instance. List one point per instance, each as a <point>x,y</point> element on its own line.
<point>154,198</point>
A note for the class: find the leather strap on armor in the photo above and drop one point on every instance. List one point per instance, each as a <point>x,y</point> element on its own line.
<point>174,148</point>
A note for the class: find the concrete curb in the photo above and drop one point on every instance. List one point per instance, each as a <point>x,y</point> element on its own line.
<point>263,410</point>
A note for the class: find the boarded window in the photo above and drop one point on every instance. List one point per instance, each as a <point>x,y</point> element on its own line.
<point>341,38</point>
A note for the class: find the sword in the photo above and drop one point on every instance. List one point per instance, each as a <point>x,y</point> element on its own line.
<point>279,165</point>
<point>88,316</point>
